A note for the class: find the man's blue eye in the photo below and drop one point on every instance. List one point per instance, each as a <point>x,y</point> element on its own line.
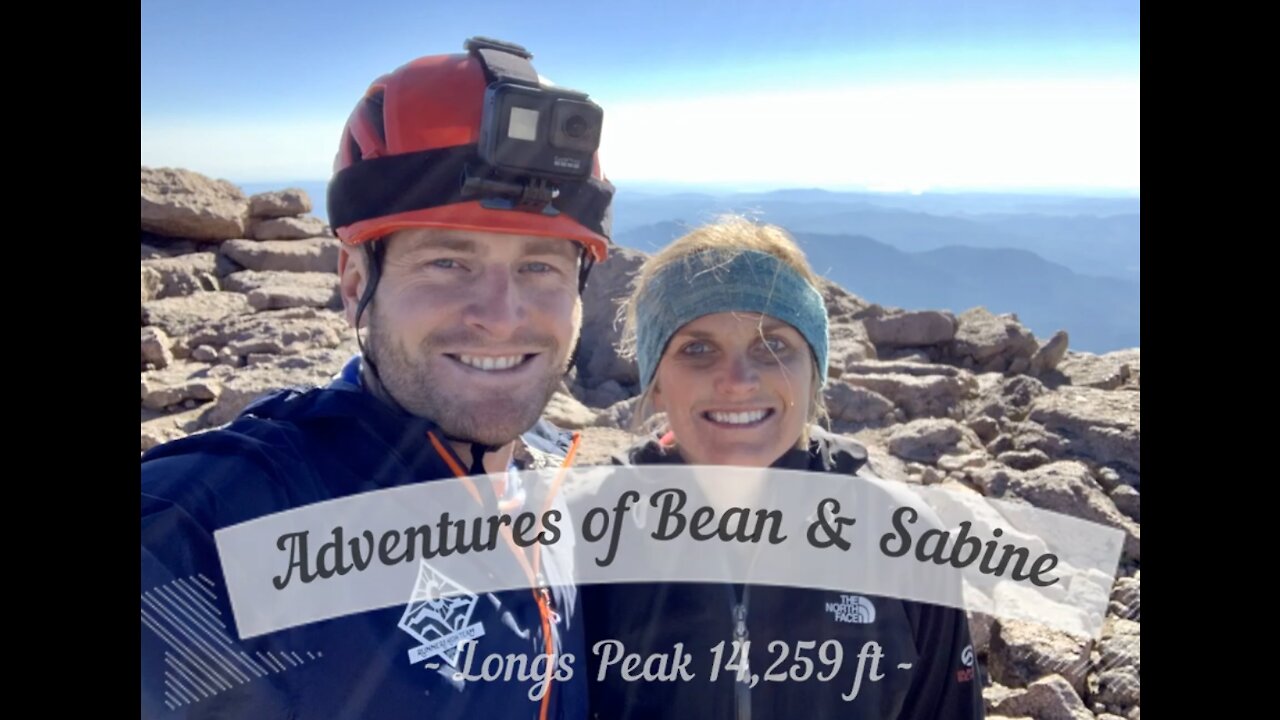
<point>538,267</point>
<point>445,263</point>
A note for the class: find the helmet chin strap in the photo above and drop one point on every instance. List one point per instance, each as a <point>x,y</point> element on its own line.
<point>585,262</point>
<point>375,251</point>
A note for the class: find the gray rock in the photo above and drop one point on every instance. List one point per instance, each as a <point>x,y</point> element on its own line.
<point>957,463</point>
<point>151,283</point>
<point>847,345</point>
<point>1126,599</point>
<point>618,415</point>
<point>185,274</point>
<point>306,369</point>
<point>156,347</point>
<point>848,341</point>
<point>985,337</point>
<point>1068,487</point>
<point>928,440</point>
<point>911,329</point>
<point>854,404</point>
<point>1100,426</point>
<point>1108,478</point>
<point>1121,645</point>
<point>992,480</point>
<point>180,315</point>
<point>985,427</point>
<point>1001,445</point>
<point>1050,354</point>
<point>598,354</point>
<point>1121,687</point>
<point>177,383</point>
<point>246,281</point>
<point>1020,392</point>
<point>277,297</point>
<point>605,395</point>
<point>566,412</point>
<point>276,332</point>
<point>1022,652</point>
<point>1128,501</point>
<point>981,626</point>
<point>905,367</point>
<point>280,203</point>
<point>918,396</point>
<point>599,445</point>
<point>1111,371</point>
<point>1050,698</point>
<point>317,254</point>
<point>159,428</point>
<point>1023,459</point>
<point>918,356</point>
<point>288,228</point>
<point>186,204</point>
<point>1028,436</point>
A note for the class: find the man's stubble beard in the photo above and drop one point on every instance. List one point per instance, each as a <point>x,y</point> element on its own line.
<point>494,419</point>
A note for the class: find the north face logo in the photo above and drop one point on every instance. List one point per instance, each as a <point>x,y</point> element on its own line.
<point>853,609</point>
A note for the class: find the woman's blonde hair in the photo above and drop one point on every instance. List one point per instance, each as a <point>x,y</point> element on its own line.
<point>723,239</point>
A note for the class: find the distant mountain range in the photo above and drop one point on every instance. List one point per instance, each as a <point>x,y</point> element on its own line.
<point>1094,236</point>
<point>1100,314</point>
<point>1057,261</point>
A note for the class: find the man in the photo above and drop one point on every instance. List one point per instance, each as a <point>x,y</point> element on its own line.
<point>471,206</point>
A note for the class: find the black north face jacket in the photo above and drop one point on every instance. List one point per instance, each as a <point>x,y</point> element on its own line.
<point>927,669</point>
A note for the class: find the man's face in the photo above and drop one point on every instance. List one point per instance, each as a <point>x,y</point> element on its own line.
<point>472,330</point>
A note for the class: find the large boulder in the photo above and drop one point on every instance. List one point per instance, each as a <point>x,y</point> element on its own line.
<point>992,343</point>
<point>185,274</point>
<point>318,254</point>
<point>287,228</point>
<point>911,329</point>
<point>927,441</point>
<point>185,204</point>
<point>179,315</point>
<point>1100,426</point>
<point>280,203</point>
<point>608,286</point>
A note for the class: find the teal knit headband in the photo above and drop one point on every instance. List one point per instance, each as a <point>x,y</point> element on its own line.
<point>706,282</point>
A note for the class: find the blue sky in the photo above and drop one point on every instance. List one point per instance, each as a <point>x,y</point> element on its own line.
<point>1034,94</point>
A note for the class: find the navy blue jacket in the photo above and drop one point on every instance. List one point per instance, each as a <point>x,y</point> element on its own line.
<point>291,449</point>
<point>941,684</point>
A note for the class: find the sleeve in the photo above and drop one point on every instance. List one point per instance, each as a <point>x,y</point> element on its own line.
<point>193,664</point>
<point>950,686</point>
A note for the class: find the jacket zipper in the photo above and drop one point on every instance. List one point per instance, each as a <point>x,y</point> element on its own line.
<point>741,685</point>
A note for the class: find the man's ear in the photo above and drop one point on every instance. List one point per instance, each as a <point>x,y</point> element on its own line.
<point>352,276</point>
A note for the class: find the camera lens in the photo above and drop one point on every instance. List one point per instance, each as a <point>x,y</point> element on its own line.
<point>575,126</point>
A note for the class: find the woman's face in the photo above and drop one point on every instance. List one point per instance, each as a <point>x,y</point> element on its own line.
<point>735,387</point>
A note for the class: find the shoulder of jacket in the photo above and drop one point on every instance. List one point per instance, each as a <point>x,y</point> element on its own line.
<point>837,453</point>
<point>544,445</point>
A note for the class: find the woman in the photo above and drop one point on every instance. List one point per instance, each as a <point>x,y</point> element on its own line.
<point>730,335</point>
